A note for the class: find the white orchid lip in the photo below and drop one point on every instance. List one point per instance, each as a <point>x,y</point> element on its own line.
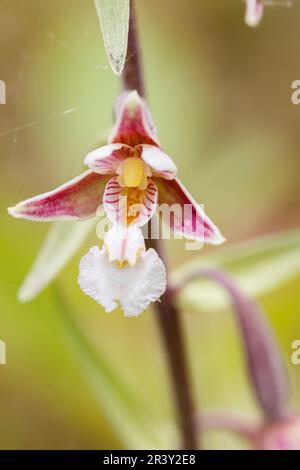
<point>131,288</point>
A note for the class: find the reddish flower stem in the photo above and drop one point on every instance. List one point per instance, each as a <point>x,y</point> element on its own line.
<point>132,75</point>
<point>168,315</point>
<point>228,422</point>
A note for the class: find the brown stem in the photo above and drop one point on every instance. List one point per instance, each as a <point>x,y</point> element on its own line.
<point>132,75</point>
<point>167,312</point>
<point>171,330</point>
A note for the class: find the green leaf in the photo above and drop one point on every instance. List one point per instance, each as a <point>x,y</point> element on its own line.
<point>63,240</point>
<point>114,21</point>
<point>258,267</point>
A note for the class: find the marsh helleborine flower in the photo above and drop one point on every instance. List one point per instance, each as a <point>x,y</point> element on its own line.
<point>128,177</point>
<point>254,12</point>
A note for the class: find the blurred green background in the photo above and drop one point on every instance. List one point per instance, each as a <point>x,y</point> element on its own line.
<point>220,94</point>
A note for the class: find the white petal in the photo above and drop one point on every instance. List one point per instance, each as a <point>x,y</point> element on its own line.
<point>62,242</point>
<point>79,198</point>
<point>105,160</point>
<point>158,161</point>
<point>134,288</point>
<point>124,244</point>
<point>114,202</point>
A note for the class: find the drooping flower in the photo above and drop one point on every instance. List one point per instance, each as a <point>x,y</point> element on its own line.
<point>128,177</point>
<point>279,429</point>
<point>254,12</point>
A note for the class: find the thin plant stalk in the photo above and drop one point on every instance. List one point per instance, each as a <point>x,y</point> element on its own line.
<point>167,313</point>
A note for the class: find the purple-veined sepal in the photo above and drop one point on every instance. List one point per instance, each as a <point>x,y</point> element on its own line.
<point>77,199</point>
<point>188,218</point>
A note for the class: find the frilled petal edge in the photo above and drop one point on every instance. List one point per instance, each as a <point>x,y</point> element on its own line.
<point>132,287</point>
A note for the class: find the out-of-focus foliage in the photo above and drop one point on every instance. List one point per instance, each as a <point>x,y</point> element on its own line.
<point>221,100</point>
<point>63,240</point>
